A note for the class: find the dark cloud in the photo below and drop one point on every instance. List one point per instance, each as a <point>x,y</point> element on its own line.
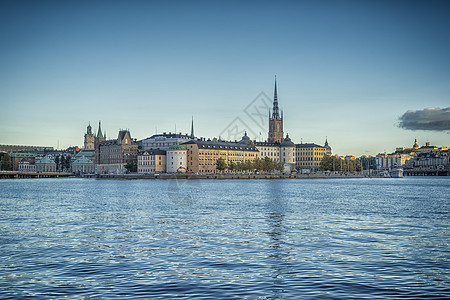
<point>431,118</point>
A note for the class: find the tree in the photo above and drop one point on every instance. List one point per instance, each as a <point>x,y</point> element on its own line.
<point>57,161</point>
<point>221,165</point>
<point>131,167</point>
<point>6,162</point>
<point>67,163</point>
<point>231,166</point>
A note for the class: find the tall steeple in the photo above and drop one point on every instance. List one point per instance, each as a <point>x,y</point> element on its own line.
<point>99,132</point>
<point>192,128</point>
<point>275,114</point>
<point>275,120</point>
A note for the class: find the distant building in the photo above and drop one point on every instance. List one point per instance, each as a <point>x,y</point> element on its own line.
<point>17,157</point>
<point>113,155</point>
<point>287,152</point>
<point>164,141</point>
<point>309,156</point>
<point>284,150</point>
<point>151,161</point>
<point>270,150</point>
<point>202,155</point>
<point>45,165</point>
<point>176,159</point>
<point>25,166</point>
<point>83,165</point>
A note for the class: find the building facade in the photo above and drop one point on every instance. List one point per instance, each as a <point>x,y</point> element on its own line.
<point>26,166</point>
<point>151,161</point>
<point>176,159</point>
<point>309,156</point>
<point>83,165</point>
<point>45,165</point>
<point>115,154</point>
<point>202,155</point>
<point>164,141</point>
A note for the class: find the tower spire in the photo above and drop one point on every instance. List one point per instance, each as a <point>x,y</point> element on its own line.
<point>192,128</point>
<point>275,114</point>
<point>99,132</point>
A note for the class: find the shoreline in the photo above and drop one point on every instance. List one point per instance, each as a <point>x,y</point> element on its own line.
<point>220,176</point>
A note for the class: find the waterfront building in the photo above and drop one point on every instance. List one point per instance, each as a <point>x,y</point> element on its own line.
<point>45,165</point>
<point>25,166</point>
<point>393,160</point>
<point>202,155</point>
<point>279,150</point>
<point>83,165</point>
<point>309,155</point>
<point>176,159</point>
<point>17,157</point>
<point>113,155</point>
<point>270,150</point>
<point>164,141</point>
<point>287,153</point>
<point>151,161</point>
<point>88,153</point>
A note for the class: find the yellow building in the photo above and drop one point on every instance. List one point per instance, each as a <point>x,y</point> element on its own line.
<point>202,155</point>
<point>151,161</point>
<point>309,156</point>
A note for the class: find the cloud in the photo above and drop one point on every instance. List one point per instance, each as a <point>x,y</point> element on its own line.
<point>432,118</point>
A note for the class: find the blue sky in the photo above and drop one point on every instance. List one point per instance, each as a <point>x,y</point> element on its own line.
<point>347,70</point>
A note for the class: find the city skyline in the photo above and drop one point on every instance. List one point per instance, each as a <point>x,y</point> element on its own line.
<point>361,74</point>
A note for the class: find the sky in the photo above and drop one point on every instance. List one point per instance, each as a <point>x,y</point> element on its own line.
<point>369,76</point>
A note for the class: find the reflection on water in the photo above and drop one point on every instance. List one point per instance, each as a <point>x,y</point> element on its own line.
<point>261,239</point>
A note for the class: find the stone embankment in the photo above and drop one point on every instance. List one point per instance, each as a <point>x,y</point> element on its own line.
<point>224,176</point>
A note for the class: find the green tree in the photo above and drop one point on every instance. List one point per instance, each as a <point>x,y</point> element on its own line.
<point>220,164</point>
<point>57,162</point>
<point>6,162</point>
<point>279,166</point>
<point>131,167</point>
<point>67,163</point>
<point>231,166</point>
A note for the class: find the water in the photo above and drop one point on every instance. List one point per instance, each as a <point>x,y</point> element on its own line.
<point>236,239</point>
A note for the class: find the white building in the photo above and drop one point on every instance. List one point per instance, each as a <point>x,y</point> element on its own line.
<point>83,165</point>
<point>25,165</point>
<point>45,165</point>
<point>163,141</point>
<point>176,159</point>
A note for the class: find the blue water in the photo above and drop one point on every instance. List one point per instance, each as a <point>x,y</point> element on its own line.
<point>236,239</point>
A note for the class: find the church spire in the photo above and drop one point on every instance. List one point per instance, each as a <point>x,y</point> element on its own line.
<point>99,133</point>
<point>275,114</point>
<point>192,128</point>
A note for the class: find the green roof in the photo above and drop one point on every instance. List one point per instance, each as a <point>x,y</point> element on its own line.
<point>18,154</point>
<point>87,153</point>
<point>177,147</point>
<point>82,160</point>
<point>45,160</point>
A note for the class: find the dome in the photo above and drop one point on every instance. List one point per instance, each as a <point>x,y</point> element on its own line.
<point>177,147</point>
<point>245,139</point>
<point>287,142</point>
